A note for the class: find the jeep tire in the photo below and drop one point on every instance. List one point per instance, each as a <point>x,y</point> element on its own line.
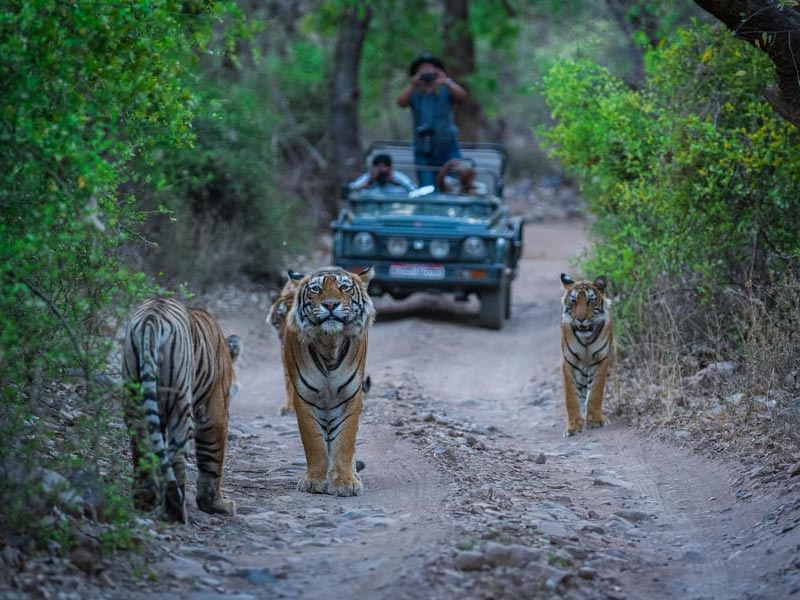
<point>508,300</point>
<point>493,307</point>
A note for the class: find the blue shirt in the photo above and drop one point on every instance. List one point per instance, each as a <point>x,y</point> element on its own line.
<point>434,110</point>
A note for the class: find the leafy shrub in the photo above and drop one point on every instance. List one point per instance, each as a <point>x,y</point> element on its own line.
<point>228,212</point>
<point>692,180</point>
<point>86,89</point>
<point>693,183</point>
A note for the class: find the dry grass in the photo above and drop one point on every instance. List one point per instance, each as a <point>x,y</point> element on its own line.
<point>727,372</point>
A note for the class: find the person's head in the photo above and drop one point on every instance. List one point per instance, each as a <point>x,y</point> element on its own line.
<point>382,168</point>
<point>426,64</point>
<point>464,170</point>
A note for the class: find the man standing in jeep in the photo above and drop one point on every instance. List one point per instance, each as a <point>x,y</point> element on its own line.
<point>431,94</point>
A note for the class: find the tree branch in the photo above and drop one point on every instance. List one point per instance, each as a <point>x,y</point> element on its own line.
<point>774,28</point>
<point>283,104</point>
<point>78,352</point>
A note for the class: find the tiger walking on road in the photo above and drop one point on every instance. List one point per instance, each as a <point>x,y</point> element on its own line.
<point>180,377</point>
<point>587,336</point>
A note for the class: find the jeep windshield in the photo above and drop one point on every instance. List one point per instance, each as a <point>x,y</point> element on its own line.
<point>456,207</point>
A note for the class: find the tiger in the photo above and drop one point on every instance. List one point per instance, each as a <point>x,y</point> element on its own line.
<point>276,317</point>
<point>324,353</point>
<point>282,304</point>
<point>180,376</point>
<point>587,336</point>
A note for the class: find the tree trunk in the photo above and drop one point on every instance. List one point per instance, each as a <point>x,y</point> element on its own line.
<point>775,29</point>
<point>459,59</point>
<point>347,161</point>
<point>619,10</point>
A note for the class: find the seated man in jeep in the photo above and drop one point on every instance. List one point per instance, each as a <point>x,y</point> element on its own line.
<point>383,176</point>
<point>457,176</point>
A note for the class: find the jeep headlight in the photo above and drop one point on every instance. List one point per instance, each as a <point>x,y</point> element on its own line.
<point>501,248</point>
<point>474,247</point>
<point>363,243</point>
<point>439,248</point>
<point>397,246</point>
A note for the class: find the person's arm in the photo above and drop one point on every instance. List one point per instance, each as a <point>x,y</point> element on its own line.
<point>443,171</point>
<point>459,93</point>
<point>404,99</point>
<point>359,182</point>
<point>403,180</point>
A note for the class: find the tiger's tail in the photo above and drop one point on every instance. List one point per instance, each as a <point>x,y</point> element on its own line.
<point>169,490</point>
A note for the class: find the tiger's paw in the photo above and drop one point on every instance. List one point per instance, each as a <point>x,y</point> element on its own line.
<point>593,423</point>
<point>287,409</point>
<point>574,428</point>
<point>313,486</point>
<point>348,484</point>
<point>216,505</point>
<point>175,503</point>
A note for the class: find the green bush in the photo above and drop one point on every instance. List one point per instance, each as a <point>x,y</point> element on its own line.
<point>229,212</point>
<point>693,182</point>
<point>87,90</point>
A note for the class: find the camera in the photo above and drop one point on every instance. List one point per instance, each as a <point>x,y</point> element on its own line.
<point>425,139</point>
<point>428,77</point>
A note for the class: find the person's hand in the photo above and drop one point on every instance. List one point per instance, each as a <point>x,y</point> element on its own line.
<point>427,77</point>
<point>441,77</point>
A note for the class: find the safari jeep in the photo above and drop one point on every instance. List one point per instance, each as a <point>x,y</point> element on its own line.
<point>429,241</point>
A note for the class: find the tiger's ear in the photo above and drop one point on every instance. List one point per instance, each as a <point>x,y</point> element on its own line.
<point>366,275</point>
<point>600,283</point>
<point>294,275</point>
<point>566,280</point>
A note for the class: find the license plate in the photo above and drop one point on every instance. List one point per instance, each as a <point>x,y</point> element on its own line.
<point>416,271</point>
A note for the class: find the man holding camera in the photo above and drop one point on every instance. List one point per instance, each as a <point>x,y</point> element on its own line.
<point>431,94</point>
<point>382,175</point>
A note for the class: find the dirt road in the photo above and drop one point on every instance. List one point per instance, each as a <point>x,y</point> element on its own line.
<point>471,490</point>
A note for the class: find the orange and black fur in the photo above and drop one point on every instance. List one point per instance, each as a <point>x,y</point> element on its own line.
<point>325,351</point>
<point>182,364</point>
<point>587,337</point>
<point>278,311</point>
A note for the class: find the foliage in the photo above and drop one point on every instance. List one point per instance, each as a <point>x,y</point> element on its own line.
<point>693,180</point>
<point>515,42</point>
<point>87,88</point>
<point>226,213</point>
<point>419,24</point>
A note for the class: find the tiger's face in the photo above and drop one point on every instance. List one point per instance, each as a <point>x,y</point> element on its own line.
<point>585,305</point>
<point>333,301</point>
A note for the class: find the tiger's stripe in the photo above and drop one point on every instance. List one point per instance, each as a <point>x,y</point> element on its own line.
<point>325,350</point>
<point>184,368</point>
<point>587,337</point>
